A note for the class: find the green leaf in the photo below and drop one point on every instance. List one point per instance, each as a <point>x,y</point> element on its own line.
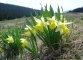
<point>44,38</point>
<point>46,11</point>
<point>33,20</point>
<point>58,14</point>
<point>37,16</point>
<point>9,31</point>
<point>34,45</point>
<point>40,37</point>
<point>29,49</point>
<point>51,11</point>
<point>46,32</point>
<point>62,12</point>
<point>42,11</point>
<point>28,22</point>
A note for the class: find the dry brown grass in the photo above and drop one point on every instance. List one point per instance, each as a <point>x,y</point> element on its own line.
<point>12,23</point>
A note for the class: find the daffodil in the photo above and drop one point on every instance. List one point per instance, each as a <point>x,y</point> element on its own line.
<point>34,31</point>
<point>52,23</point>
<point>59,29</point>
<point>43,23</point>
<point>24,42</point>
<point>39,27</point>
<point>27,27</point>
<point>27,33</point>
<point>52,26</point>
<point>64,28</point>
<point>52,20</point>
<point>10,39</point>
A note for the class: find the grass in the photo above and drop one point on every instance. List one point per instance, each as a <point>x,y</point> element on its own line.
<point>72,51</point>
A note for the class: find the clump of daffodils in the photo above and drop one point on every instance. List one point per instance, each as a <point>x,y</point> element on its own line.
<point>49,30</point>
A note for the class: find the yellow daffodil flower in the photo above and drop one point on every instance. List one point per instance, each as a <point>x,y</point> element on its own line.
<point>40,24</point>
<point>34,31</point>
<point>24,42</point>
<point>62,28</point>
<point>65,29</point>
<point>27,27</point>
<point>10,39</point>
<point>39,27</point>
<point>59,29</point>
<point>52,23</point>
<point>51,20</point>
<point>52,26</point>
<point>27,33</point>
<point>43,22</point>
